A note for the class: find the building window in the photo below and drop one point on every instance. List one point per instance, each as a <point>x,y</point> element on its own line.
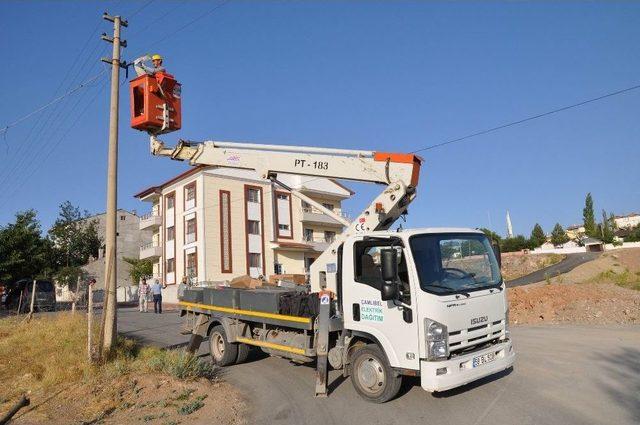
<point>277,268</point>
<point>190,231</point>
<point>253,195</point>
<point>191,265</point>
<point>306,205</point>
<point>283,226</point>
<point>307,263</point>
<point>307,235</point>
<point>123,217</point>
<point>327,206</point>
<point>171,201</point>
<point>254,260</point>
<point>283,196</point>
<point>253,227</point>
<point>171,265</point>
<point>329,236</point>
<point>225,231</point>
<point>190,196</point>
<point>171,233</point>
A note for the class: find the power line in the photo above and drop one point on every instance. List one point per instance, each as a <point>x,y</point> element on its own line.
<point>54,101</point>
<point>193,21</point>
<point>138,10</point>
<point>531,118</point>
<point>53,148</point>
<point>167,12</point>
<point>48,128</point>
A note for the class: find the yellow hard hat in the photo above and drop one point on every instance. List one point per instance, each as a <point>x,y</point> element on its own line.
<point>156,57</point>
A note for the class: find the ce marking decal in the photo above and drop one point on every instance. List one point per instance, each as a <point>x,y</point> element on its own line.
<point>360,226</point>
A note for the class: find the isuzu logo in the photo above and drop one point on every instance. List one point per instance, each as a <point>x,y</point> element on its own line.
<point>478,320</point>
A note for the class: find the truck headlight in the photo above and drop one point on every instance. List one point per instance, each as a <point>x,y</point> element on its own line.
<point>437,340</point>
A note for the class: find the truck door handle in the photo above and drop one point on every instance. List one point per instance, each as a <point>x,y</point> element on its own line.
<point>356,312</point>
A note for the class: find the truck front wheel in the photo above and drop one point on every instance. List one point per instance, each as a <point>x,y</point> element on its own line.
<point>372,375</point>
<point>223,353</point>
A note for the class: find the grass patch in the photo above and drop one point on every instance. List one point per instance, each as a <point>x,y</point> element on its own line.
<point>48,354</point>
<point>189,408</point>
<point>625,278</point>
<point>551,259</point>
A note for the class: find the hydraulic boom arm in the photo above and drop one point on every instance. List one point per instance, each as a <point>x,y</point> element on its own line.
<point>399,172</point>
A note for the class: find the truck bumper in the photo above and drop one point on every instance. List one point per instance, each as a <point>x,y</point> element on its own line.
<point>460,370</point>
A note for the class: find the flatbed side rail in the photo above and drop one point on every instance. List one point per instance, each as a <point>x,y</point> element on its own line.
<point>298,322</point>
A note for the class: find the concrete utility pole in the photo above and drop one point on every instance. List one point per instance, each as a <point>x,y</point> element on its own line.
<point>109,312</point>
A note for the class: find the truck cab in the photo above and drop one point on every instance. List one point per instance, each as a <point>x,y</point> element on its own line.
<point>432,299</point>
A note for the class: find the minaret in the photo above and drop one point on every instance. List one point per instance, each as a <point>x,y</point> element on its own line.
<point>509,226</point>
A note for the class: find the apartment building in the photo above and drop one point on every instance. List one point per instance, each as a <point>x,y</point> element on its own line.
<point>627,221</point>
<point>213,224</point>
<point>130,235</point>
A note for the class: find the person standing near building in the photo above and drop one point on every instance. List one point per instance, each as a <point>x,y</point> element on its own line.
<point>184,284</point>
<point>143,294</point>
<point>156,291</point>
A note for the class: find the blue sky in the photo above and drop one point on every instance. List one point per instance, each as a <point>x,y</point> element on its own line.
<point>367,75</point>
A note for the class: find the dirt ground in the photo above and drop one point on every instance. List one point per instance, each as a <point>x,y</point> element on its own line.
<point>515,266</point>
<point>603,291</point>
<point>147,399</point>
<point>46,359</point>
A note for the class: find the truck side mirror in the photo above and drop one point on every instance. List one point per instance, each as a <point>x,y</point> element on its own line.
<point>389,265</point>
<point>496,251</point>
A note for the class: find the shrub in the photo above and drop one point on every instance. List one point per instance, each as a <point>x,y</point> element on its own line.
<point>189,408</point>
<point>180,364</point>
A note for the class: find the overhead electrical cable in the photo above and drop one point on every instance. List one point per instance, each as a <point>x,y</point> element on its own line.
<point>531,118</point>
<point>54,147</point>
<point>52,102</point>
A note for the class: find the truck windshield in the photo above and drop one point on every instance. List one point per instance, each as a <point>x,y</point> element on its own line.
<point>449,263</point>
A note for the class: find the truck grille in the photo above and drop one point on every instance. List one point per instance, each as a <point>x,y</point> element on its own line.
<point>465,339</point>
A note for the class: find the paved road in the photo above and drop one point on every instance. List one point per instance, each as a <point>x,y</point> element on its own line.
<point>571,262</point>
<point>563,375</point>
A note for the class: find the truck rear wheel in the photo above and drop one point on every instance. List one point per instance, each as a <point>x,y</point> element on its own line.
<point>372,375</point>
<point>243,353</point>
<point>223,353</point>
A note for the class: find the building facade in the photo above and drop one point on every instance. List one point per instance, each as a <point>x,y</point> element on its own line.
<point>627,221</point>
<point>213,224</point>
<point>129,237</point>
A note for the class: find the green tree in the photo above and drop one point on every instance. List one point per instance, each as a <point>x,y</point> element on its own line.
<point>607,227</point>
<point>516,243</point>
<point>75,238</point>
<point>588,217</point>
<point>139,268</point>
<point>24,253</point>
<point>491,234</point>
<point>558,235</point>
<point>537,236</point>
<point>634,235</point>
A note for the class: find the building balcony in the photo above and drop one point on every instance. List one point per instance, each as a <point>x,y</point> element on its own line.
<point>319,243</point>
<point>150,221</point>
<point>150,250</point>
<point>311,215</point>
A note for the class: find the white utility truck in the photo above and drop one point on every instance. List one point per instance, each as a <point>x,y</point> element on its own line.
<point>382,304</point>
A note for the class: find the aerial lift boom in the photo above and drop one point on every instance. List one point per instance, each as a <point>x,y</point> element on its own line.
<point>398,172</point>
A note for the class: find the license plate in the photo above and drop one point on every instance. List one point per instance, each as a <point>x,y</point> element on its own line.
<point>483,359</point>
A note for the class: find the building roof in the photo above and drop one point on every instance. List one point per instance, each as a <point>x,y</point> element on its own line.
<point>627,216</point>
<point>294,245</point>
<point>592,241</point>
<point>193,170</point>
<point>172,180</point>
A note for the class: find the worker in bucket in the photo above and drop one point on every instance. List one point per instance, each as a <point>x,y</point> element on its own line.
<point>141,68</point>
